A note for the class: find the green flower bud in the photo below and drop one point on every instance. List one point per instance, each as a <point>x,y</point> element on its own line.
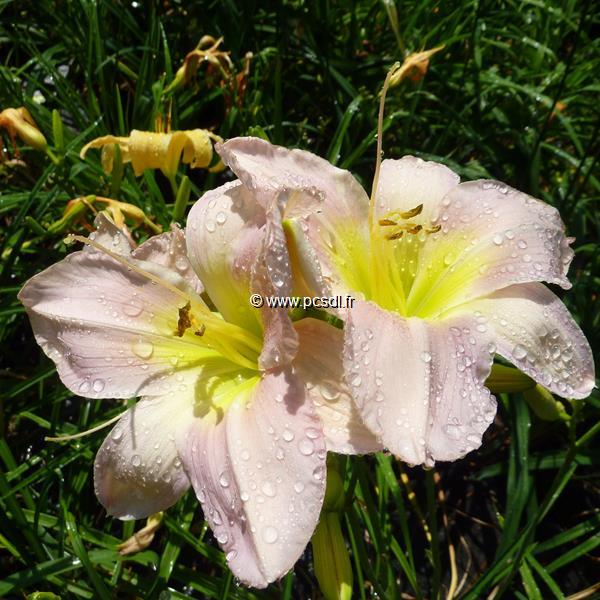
<point>331,560</point>
<point>506,380</point>
<point>544,404</point>
<point>330,555</point>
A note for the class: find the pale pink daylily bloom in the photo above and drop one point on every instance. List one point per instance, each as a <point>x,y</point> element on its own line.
<point>445,275</point>
<point>223,408</point>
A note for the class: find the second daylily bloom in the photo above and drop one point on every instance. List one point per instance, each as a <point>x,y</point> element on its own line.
<point>164,151</point>
<point>446,275</point>
<point>223,409</point>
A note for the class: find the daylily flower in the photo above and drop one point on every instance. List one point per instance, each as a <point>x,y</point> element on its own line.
<point>164,151</point>
<point>19,123</point>
<point>446,275</point>
<point>223,409</point>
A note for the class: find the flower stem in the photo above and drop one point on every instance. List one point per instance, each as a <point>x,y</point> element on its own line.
<point>181,199</point>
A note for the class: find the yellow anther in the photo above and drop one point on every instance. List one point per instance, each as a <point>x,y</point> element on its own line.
<point>187,320</point>
<point>413,212</point>
<point>392,220</point>
<point>395,236</point>
<point>184,322</point>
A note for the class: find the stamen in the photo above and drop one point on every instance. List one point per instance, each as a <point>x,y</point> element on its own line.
<point>75,436</point>
<point>392,218</point>
<point>187,320</point>
<point>395,236</point>
<point>413,212</point>
<point>184,322</point>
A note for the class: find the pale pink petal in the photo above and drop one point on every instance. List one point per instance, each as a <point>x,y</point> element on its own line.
<point>407,182</point>
<point>492,236</point>
<point>169,250</point>
<point>317,201</point>
<point>307,181</point>
<point>237,250</point>
<point>224,233</point>
<point>534,330</point>
<point>271,276</point>
<point>110,236</point>
<point>259,474</point>
<point>422,392</point>
<point>320,366</point>
<point>138,471</point>
<point>110,330</point>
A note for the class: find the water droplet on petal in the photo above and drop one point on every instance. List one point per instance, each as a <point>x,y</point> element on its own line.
<point>312,433</point>
<point>268,489</point>
<point>143,348</point>
<point>98,385</point>
<point>181,264</point>
<point>133,308</point>
<point>306,447</point>
<point>318,473</point>
<point>136,460</point>
<point>519,352</point>
<point>231,555</point>
<point>222,537</point>
<point>270,535</point>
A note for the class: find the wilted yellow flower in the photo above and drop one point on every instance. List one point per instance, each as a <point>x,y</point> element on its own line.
<point>414,67</point>
<point>18,122</point>
<point>76,209</point>
<point>206,51</point>
<point>164,151</point>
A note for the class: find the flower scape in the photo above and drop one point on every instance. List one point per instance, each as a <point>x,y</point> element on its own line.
<point>243,404</point>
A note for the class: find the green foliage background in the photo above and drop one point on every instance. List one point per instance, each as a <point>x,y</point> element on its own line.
<point>513,96</point>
